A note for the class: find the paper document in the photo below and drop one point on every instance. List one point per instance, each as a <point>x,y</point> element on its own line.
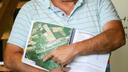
<point>90,63</point>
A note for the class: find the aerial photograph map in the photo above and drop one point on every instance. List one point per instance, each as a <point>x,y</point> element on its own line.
<point>43,39</point>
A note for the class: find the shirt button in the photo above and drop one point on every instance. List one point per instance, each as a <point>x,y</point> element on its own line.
<point>62,14</point>
<point>49,7</point>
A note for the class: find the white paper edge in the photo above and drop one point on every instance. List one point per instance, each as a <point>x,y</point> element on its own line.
<point>23,57</point>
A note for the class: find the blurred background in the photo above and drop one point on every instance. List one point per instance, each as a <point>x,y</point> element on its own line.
<point>10,8</point>
<point>119,58</point>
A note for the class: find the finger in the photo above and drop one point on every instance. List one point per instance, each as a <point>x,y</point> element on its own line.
<point>66,69</point>
<point>63,65</point>
<point>59,69</point>
<point>47,57</point>
<point>56,60</point>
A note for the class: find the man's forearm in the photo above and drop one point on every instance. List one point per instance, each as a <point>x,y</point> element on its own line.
<point>105,42</point>
<point>18,66</point>
<point>12,59</point>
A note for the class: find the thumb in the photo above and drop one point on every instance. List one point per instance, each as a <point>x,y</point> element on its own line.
<point>47,57</point>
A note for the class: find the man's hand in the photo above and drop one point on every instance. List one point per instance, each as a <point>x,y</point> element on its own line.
<point>63,55</point>
<point>60,70</point>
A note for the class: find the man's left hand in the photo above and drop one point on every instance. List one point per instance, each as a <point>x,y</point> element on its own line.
<point>62,55</point>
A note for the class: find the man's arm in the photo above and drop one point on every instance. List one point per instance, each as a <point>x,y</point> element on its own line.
<point>12,59</point>
<point>112,38</point>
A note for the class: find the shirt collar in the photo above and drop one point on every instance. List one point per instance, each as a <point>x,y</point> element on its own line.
<point>79,3</point>
<point>45,3</point>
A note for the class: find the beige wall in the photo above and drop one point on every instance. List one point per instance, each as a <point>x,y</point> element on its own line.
<point>119,58</point>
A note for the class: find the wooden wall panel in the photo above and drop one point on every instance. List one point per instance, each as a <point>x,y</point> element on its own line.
<point>6,14</point>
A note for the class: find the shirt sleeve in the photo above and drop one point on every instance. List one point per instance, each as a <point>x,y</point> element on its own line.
<point>107,12</point>
<point>21,27</point>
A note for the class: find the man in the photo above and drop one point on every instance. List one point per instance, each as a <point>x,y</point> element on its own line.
<point>97,17</point>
